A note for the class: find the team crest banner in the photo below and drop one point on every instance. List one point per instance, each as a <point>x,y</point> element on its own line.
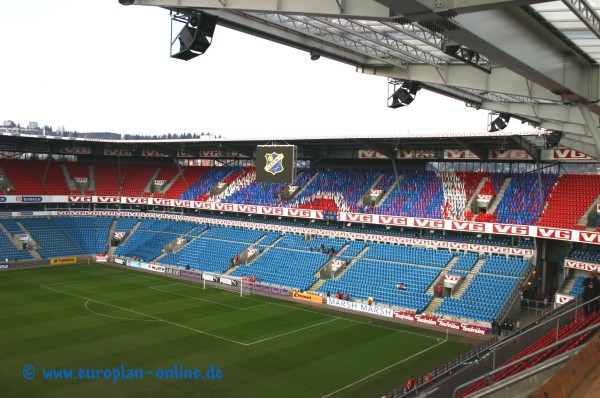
<point>274,162</point>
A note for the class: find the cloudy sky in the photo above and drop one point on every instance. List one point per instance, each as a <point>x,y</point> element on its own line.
<point>95,65</point>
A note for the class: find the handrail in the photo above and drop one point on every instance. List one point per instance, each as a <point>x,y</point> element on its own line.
<point>527,357</point>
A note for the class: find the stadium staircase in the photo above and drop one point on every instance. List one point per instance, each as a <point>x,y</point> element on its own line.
<point>437,301</point>
<point>591,210</point>
<point>473,198</point>
<point>92,181</point>
<point>35,254</point>
<point>111,251</point>
<point>148,186</point>
<point>171,182</point>
<point>68,179</point>
<point>353,261</point>
<point>317,285</point>
<point>368,190</point>
<point>131,232</point>
<point>111,232</point>
<point>297,194</point>
<point>261,252</point>
<point>463,286</point>
<point>389,192</point>
<point>321,281</point>
<point>9,235</point>
<point>494,205</point>
<point>285,193</point>
<point>568,285</point>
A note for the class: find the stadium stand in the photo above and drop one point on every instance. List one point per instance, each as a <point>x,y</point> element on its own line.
<point>570,197</point>
<point>521,203</point>
<point>203,180</point>
<point>167,173</point>
<point>135,178</point>
<point>107,179</point>
<point>25,176</point>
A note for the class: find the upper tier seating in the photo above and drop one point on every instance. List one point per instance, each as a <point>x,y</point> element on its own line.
<point>419,194</point>
<point>189,176</point>
<point>570,197</point>
<point>107,178</point>
<point>256,193</point>
<point>336,189</point>
<point>136,177</point>
<point>25,176</point>
<point>458,188</point>
<point>423,194</point>
<point>55,181</point>
<point>204,181</point>
<point>521,203</point>
<point>167,173</point>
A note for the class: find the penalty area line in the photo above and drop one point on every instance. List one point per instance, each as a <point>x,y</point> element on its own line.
<point>86,305</point>
<point>293,331</point>
<point>149,316</point>
<point>382,370</point>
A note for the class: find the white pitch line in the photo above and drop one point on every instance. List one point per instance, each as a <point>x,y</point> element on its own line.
<point>112,316</point>
<point>208,301</point>
<point>197,298</point>
<point>369,323</point>
<point>149,316</point>
<point>382,370</point>
<point>293,331</point>
<point>86,280</point>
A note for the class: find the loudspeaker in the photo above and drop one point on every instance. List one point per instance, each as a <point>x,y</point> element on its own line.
<point>193,38</point>
<point>205,23</point>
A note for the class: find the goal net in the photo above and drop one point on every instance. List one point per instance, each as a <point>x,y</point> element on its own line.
<point>227,282</point>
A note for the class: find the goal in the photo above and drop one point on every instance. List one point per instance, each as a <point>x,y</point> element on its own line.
<point>227,282</point>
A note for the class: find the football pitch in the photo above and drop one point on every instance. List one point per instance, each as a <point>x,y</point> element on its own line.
<point>91,331</point>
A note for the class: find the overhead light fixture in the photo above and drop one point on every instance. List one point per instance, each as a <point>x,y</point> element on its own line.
<point>465,54</point>
<point>126,2</point>
<point>553,139</point>
<point>195,37</point>
<point>403,93</point>
<point>315,54</point>
<point>499,122</point>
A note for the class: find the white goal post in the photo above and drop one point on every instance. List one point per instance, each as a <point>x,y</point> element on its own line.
<point>228,282</point>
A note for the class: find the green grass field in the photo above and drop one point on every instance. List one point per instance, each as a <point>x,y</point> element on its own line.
<point>98,317</point>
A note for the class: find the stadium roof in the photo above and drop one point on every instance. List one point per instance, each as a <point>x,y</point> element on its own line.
<point>480,144</point>
<point>535,60</point>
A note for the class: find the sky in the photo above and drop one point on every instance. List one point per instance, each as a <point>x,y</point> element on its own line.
<point>95,65</point>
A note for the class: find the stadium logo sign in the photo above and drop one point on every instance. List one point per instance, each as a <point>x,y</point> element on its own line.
<point>29,199</point>
<point>2,199</point>
<point>274,163</point>
<point>3,266</point>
